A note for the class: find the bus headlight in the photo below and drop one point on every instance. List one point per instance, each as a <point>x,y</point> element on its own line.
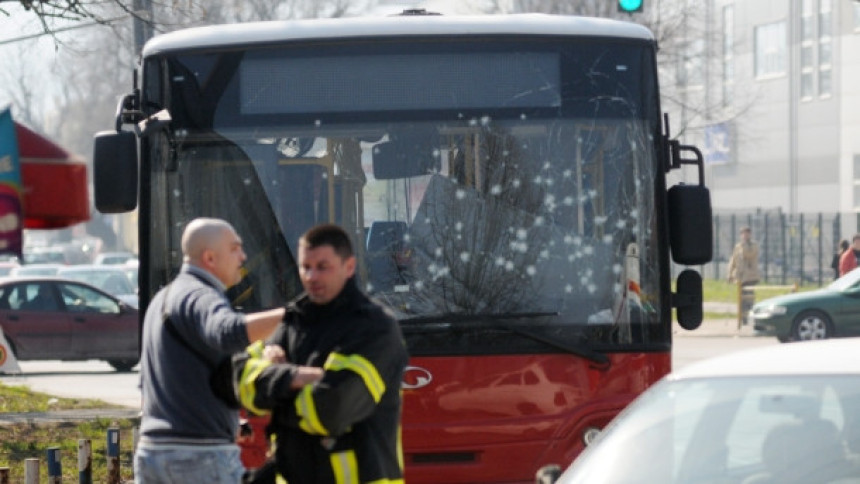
<point>589,435</point>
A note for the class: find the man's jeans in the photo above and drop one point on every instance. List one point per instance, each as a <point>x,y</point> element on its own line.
<point>188,464</point>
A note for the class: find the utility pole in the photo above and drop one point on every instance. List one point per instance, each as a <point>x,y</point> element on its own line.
<point>142,23</point>
<point>793,54</point>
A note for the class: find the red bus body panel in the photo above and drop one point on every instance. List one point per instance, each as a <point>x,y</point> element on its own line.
<point>498,419</point>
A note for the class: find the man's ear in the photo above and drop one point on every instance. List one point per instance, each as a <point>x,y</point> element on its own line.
<point>208,257</point>
<point>350,265</point>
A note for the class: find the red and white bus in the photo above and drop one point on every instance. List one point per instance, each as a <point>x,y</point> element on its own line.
<point>503,178</point>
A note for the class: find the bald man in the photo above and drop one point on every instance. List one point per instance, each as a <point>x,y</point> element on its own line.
<point>187,434</point>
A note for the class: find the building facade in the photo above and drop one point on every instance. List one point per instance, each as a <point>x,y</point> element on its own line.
<point>779,91</point>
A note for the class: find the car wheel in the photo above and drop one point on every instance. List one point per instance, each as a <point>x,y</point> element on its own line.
<point>122,365</point>
<point>810,325</point>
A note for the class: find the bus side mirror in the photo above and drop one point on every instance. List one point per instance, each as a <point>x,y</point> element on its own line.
<point>690,224</point>
<point>115,171</point>
<point>687,299</point>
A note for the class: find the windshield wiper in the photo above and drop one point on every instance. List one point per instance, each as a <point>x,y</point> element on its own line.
<point>500,321</point>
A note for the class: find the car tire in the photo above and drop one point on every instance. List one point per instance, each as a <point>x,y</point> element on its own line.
<point>811,325</point>
<point>122,365</point>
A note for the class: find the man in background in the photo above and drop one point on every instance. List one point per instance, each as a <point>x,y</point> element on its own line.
<point>743,269</point>
<point>849,258</point>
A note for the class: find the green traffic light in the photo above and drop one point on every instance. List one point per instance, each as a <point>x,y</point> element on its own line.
<point>629,5</point>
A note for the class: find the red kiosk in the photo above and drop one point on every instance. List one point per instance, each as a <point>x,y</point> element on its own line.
<point>53,182</point>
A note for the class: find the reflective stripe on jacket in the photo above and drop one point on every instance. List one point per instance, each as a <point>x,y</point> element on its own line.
<point>346,428</point>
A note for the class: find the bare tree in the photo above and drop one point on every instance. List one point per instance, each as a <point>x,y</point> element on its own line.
<point>688,56</point>
<point>92,71</point>
<point>592,8</point>
<point>187,12</point>
<point>93,77</point>
<point>48,9</point>
<point>19,79</point>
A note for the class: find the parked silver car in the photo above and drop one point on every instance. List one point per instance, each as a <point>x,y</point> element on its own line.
<point>779,414</point>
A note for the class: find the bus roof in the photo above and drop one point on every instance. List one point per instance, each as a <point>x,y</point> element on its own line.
<point>409,25</point>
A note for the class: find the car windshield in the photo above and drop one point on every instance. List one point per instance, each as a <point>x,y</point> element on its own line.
<point>847,281</point>
<point>112,282</point>
<point>753,429</point>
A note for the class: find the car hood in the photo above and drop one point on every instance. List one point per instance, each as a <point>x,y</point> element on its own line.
<point>818,295</point>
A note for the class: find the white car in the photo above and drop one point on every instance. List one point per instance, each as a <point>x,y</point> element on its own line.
<point>109,278</point>
<point>779,414</point>
<point>114,258</point>
<point>29,270</point>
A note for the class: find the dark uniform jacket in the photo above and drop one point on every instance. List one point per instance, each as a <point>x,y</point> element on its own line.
<point>346,428</point>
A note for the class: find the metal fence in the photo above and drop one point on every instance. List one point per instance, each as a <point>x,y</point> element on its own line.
<point>792,248</point>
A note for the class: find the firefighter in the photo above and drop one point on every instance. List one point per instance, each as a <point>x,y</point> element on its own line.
<point>345,428</point>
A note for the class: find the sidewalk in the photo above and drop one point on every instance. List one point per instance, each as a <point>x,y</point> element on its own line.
<point>715,327</point>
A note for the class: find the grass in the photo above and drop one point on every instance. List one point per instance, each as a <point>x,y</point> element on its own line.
<point>722,291</point>
<point>21,441</point>
<point>17,398</point>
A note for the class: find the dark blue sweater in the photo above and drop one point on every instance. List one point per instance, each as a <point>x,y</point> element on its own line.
<point>178,404</point>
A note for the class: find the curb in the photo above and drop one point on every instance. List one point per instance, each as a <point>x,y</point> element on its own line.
<point>68,415</point>
<point>716,328</point>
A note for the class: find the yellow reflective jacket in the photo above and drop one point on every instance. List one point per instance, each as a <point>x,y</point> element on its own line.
<point>346,428</point>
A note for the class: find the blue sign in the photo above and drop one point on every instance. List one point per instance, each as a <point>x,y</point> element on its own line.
<point>11,213</point>
<point>717,150</point>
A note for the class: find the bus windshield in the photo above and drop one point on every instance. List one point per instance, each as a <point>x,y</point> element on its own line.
<point>477,177</point>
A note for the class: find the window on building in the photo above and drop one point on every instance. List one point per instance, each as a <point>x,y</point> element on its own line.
<point>856,181</point>
<point>807,20</point>
<point>692,69</point>
<point>857,16</point>
<point>807,49</point>
<point>825,17</point>
<point>825,57</point>
<point>807,85</point>
<point>728,53</point>
<point>770,47</point>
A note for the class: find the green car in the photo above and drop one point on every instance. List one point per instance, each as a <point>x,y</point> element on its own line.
<point>833,311</point>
